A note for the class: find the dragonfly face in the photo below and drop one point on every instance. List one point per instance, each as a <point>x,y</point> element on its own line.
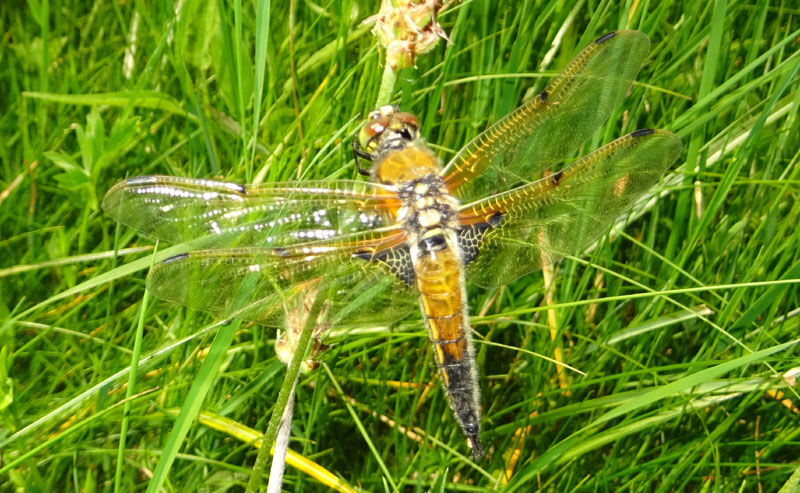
<point>414,234</point>
<point>388,129</point>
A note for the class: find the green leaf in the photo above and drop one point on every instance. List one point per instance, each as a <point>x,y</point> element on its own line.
<point>63,161</point>
<point>6,383</point>
<point>72,179</point>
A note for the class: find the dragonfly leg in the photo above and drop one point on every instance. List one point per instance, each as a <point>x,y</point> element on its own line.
<point>358,152</point>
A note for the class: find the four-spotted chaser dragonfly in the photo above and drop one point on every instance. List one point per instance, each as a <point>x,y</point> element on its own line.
<point>412,235</point>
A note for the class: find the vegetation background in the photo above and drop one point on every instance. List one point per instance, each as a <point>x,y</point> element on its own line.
<point>684,325</point>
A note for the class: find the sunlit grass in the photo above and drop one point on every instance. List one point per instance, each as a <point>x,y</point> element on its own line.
<point>680,324</point>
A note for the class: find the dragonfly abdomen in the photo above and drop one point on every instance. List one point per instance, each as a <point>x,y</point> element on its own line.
<point>440,280</point>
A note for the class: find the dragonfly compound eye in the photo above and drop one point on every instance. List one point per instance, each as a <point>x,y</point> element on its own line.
<point>405,125</point>
<point>407,119</point>
<point>371,132</point>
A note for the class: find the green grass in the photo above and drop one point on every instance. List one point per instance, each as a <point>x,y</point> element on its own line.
<point>683,325</point>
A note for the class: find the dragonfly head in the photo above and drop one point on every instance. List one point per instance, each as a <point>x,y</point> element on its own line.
<point>388,129</point>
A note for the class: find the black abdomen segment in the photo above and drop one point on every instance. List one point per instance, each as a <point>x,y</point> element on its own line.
<point>461,385</point>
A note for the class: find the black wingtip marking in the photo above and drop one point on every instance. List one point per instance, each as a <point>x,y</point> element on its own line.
<point>642,132</point>
<point>176,258</point>
<point>543,96</point>
<point>557,177</point>
<point>602,39</point>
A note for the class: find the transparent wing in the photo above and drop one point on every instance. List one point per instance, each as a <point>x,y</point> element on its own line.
<point>512,233</point>
<point>271,247</point>
<point>542,132</point>
<point>224,214</point>
<point>266,285</point>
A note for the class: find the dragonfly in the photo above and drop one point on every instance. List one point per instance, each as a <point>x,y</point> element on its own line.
<point>509,202</point>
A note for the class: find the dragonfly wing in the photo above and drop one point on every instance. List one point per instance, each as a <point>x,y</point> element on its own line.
<point>222,214</point>
<point>544,130</point>
<point>267,285</point>
<point>513,233</point>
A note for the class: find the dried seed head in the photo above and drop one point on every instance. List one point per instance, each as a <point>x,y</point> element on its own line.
<point>407,28</point>
<point>296,314</point>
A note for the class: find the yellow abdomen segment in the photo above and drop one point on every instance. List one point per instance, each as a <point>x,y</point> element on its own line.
<point>439,284</point>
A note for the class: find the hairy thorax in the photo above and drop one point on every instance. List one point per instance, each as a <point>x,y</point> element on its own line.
<point>428,212</point>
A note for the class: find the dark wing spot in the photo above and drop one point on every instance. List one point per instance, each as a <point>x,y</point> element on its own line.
<point>236,188</point>
<point>363,256</point>
<point>397,259</point>
<point>176,258</point>
<point>281,252</point>
<point>642,132</point>
<point>602,39</point>
<point>543,96</point>
<point>557,177</point>
<point>495,219</point>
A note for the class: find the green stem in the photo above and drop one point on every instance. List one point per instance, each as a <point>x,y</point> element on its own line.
<point>129,392</point>
<point>292,374</point>
<point>387,86</point>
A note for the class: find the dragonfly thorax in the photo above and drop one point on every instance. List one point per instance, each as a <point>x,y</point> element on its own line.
<point>414,161</point>
<point>428,212</point>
